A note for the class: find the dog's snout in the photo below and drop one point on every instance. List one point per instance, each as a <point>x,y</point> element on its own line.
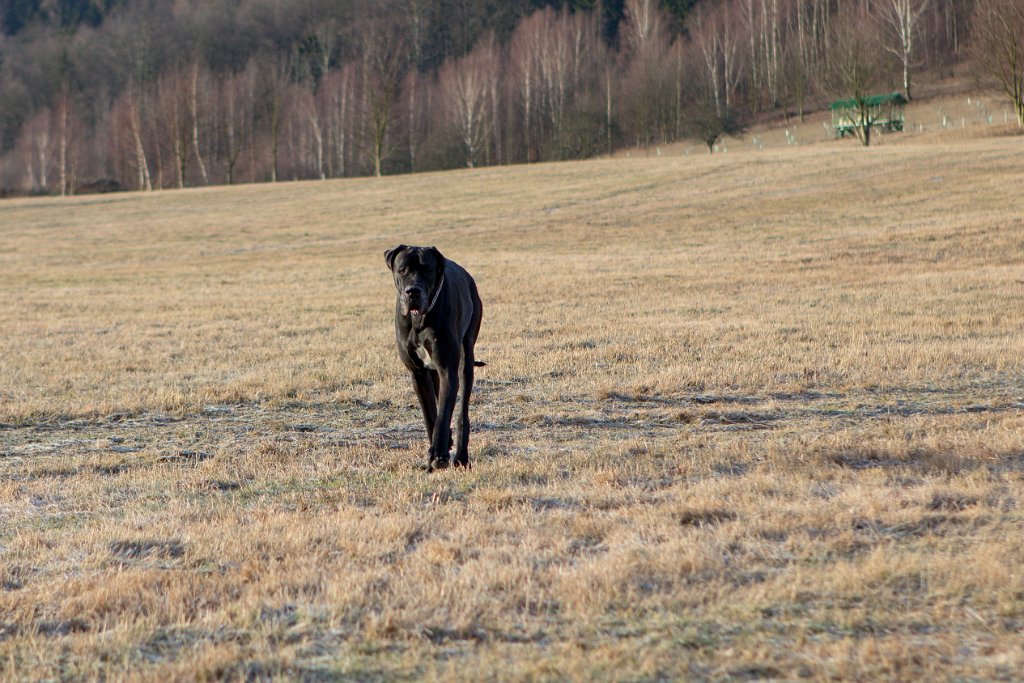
<point>412,290</point>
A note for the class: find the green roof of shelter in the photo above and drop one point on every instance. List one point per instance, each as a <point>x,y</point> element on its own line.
<point>871,101</point>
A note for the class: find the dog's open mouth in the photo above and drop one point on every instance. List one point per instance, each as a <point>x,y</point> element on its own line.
<point>412,307</point>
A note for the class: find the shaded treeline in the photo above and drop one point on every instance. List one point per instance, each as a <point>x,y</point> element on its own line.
<point>162,93</point>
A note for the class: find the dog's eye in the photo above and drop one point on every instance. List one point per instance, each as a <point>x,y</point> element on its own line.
<point>403,270</point>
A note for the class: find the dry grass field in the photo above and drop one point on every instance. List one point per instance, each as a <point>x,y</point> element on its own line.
<point>744,417</point>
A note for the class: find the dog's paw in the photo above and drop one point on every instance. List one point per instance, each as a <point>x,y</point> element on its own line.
<point>434,464</point>
<point>462,461</point>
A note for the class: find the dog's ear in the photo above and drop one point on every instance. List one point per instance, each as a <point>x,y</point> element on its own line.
<point>390,254</point>
<point>439,260</point>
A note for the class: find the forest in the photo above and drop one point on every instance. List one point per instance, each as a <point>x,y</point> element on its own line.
<point>148,94</point>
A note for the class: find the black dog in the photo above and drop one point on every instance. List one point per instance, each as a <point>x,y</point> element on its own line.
<point>437,318</point>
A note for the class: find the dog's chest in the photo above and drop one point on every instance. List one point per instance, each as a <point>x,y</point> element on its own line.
<point>423,353</point>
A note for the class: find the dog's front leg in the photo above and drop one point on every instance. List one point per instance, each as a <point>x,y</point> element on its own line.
<point>441,442</point>
<point>423,383</point>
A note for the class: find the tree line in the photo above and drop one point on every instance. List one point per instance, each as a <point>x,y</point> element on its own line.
<point>171,93</point>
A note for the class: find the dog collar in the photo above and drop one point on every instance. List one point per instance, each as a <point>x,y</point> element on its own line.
<point>437,293</point>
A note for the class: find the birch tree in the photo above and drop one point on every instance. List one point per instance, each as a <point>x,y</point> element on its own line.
<point>176,125</point>
<point>37,147</point>
<point>716,35</point>
<point>193,105</point>
<point>525,73</point>
<point>901,19</point>
<point>126,118</point>
<point>337,90</point>
<point>466,86</point>
<point>648,87</point>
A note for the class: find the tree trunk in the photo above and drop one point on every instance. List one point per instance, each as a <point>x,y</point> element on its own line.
<point>275,138</point>
<point>413,77</point>
<point>342,104</point>
<point>380,129</point>
<point>140,152</point>
<point>63,153</point>
<point>194,107</point>
<point>607,107</point>
<point>526,119</point>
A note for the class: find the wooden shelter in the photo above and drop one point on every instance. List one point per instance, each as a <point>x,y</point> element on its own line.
<point>883,112</point>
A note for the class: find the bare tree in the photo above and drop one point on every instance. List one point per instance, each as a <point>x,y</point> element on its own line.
<point>901,18</point>
<point>275,75</point>
<point>172,105</point>
<point>37,148</point>
<point>648,88</point>
<point>796,79</point>
<point>235,118</point>
<point>466,85</point>
<point>998,47</point>
<point>193,106</point>
<point>310,129</point>
<point>303,134</point>
<point>126,117</point>
<point>326,38</point>
<point>556,65</point>
<point>953,18</point>
<point>644,24</point>
<point>762,22</point>
<point>135,124</point>
<point>496,94</point>
<point>609,77</point>
<point>387,58</point>
<point>417,13</point>
<point>819,18</point>
<point>181,99</point>
<point>565,63</point>
<point>855,70</point>
<point>525,69</point>
<point>414,90</point>
<point>706,124</point>
<point>705,117</point>
<point>337,91</point>
<point>65,127</point>
<point>716,34</point>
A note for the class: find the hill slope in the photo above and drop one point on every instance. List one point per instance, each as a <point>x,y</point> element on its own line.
<point>743,416</point>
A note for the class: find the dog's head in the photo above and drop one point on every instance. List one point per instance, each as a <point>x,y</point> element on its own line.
<point>417,272</point>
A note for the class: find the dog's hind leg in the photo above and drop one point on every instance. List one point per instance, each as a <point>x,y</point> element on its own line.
<point>466,381</point>
<point>468,363</point>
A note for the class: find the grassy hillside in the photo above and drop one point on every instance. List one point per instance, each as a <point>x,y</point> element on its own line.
<point>744,416</point>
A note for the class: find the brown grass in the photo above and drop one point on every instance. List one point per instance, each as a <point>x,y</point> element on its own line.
<point>746,416</point>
